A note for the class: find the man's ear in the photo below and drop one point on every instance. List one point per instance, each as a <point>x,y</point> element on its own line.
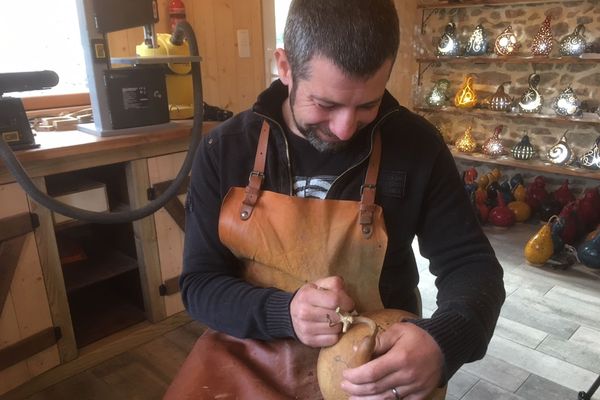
<point>283,67</point>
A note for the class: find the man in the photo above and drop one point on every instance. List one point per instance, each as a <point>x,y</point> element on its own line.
<point>309,202</point>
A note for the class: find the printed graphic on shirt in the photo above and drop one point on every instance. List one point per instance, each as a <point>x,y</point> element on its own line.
<point>315,187</point>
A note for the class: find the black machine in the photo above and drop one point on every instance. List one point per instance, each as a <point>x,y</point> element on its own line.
<point>14,125</point>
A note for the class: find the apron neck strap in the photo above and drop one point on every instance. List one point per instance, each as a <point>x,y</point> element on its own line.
<point>257,175</point>
<point>367,190</point>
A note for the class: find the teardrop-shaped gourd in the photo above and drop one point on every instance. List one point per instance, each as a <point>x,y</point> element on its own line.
<point>589,253</point>
<point>521,210</point>
<point>520,193</point>
<point>540,248</point>
<point>500,101</point>
<point>355,348</point>
<point>501,215</point>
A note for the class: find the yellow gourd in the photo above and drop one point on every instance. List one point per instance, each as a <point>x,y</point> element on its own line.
<point>355,348</point>
<point>540,247</point>
<point>521,209</point>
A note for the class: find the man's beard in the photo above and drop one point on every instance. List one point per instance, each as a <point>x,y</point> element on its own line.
<point>311,134</point>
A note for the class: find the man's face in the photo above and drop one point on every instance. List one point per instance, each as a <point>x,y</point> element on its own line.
<point>328,107</point>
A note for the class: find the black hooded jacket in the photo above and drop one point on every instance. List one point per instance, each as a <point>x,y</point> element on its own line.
<point>420,192</point>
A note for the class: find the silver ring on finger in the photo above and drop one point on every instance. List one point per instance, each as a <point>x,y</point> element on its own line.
<point>396,395</point>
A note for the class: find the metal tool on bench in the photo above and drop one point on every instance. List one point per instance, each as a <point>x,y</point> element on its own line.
<point>14,124</point>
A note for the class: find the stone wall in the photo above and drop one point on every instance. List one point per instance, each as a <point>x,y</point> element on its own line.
<point>525,20</point>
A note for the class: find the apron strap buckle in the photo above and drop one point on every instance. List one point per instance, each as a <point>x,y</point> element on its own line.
<point>252,192</point>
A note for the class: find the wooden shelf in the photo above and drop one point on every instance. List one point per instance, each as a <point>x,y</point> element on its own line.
<point>486,3</point>
<point>587,118</point>
<point>99,268</point>
<point>102,311</point>
<point>588,58</point>
<point>533,165</point>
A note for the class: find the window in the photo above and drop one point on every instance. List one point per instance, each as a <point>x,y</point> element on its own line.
<point>41,34</point>
<point>274,16</point>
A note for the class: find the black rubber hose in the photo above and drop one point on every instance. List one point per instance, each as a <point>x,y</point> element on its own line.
<point>16,169</point>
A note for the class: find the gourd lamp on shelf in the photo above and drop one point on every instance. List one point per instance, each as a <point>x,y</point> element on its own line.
<point>573,44</point>
<point>531,101</point>
<point>438,97</point>
<point>567,104</point>
<point>466,143</point>
<point>561,153</point>
<point>493,146</point>
<point>449,44</point>
<point>506,43</point>
<point>478,42</point>
<point>466,97</point>
<point>543,41</point>
<point>591,159</point>
<point>500,101</point>
<point>523,150</point>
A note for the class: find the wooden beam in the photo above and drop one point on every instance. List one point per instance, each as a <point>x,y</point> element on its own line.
<point>169,287</point>
<point>17,225</point>
<point>174,207</point>
<point>28,347</point>
<point>10,251</point>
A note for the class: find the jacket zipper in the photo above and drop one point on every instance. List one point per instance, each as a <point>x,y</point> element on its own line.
<point>287,151</point>
<point>383,118</point>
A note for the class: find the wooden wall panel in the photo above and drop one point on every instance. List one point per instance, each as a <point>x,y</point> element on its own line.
<point>26,311</point>
<point>405,70</point>
<point>228,81</point>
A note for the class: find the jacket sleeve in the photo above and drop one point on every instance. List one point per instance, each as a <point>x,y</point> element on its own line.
<point>469,277</point>
<point>212,290</point>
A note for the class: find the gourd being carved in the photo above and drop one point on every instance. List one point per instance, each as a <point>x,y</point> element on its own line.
<point>355,348</point>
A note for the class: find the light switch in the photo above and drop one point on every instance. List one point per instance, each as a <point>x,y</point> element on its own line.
<point>243,38</point>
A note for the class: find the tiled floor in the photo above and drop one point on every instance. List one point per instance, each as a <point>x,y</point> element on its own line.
<point>546,345</point>
<point>547,342</point>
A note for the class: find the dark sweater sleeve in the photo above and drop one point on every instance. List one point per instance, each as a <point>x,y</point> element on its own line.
<point>468,276</point>
<point>212,290</point>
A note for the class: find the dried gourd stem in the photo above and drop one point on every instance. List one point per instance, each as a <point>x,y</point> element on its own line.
<point>347,319</point>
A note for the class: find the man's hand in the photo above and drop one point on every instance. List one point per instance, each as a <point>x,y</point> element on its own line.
<point>313,311</point>
<point>408,360</point>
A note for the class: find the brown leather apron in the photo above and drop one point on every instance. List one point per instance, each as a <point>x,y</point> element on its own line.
<point>285,242</point>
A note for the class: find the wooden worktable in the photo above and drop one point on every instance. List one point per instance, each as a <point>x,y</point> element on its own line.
<point>73,150</point>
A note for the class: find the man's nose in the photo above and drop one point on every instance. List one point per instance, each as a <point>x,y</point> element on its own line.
<point>343,124</point>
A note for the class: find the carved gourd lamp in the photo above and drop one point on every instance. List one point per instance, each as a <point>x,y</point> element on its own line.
<point>591,159</point>
<point>466,143</point>
<point>438,96</point>
<point>466,96</point>
<point>567,104</point>
<point>543,40</point>
<point>523,150</point>
<point>478,42</point>
<point>531,101</point>
<point>506,43</point>
<point>500,101</point>
<point>573,44</point>
<point>449,44</point>
<point>561,153</point>
<point>493,146</point>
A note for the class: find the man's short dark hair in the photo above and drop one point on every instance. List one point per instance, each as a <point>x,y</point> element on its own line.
<point>358,36</point>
